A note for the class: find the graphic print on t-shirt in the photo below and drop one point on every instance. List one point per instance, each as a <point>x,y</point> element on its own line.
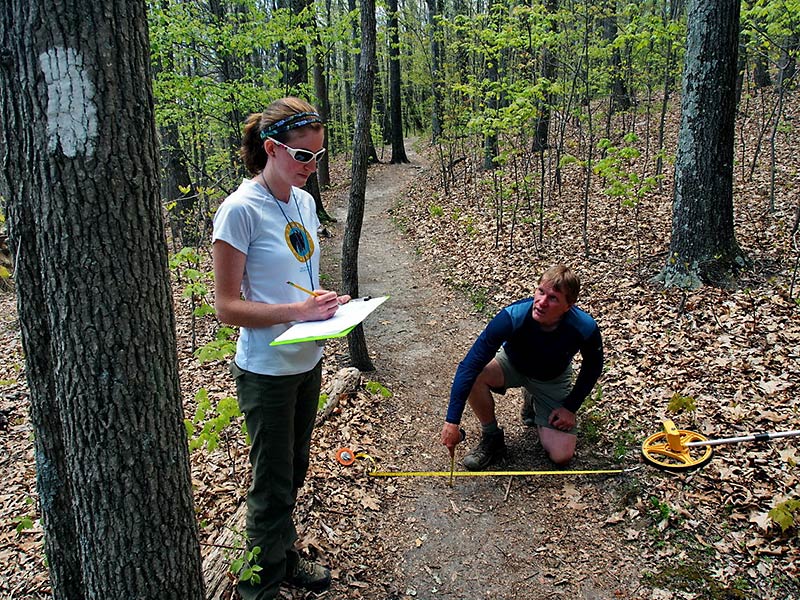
<point>299,241</point>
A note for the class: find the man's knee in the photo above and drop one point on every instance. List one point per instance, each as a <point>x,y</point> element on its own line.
<point>561,456</point>
<point>560,447</point>
<point>492,377</point>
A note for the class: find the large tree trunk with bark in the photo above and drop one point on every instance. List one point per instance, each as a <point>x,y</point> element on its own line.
<point>703,247</point>
<point>80,175</point>
<point>365,78</point>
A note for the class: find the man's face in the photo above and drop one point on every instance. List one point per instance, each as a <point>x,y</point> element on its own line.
<point>549,305</point>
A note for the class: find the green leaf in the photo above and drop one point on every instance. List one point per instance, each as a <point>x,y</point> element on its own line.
<point>373,387</point>
<point>786,514</point>
<point>678,403</point>
<point>204,309</point>
<point>23,523</point>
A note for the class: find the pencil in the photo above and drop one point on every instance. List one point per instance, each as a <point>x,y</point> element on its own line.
<point>302,289</point>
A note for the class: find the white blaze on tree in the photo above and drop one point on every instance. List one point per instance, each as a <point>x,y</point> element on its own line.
<point>71,110</point>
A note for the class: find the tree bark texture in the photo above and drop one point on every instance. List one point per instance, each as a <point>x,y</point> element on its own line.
<point>703,247</point>
<point>80,174</point>
<point>365,78</point>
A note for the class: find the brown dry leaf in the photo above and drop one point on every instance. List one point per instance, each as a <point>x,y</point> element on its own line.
<point>371,503</point>
<point>761,519</point>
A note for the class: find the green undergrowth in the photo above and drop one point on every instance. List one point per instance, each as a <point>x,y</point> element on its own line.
<point>696,578</point>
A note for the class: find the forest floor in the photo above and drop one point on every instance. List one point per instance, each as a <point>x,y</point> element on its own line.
<point>719,362</point>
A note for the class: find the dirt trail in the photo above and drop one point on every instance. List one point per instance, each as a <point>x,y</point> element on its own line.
<point>486,537</point>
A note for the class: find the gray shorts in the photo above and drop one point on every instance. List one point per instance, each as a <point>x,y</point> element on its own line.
<point>547,395</point>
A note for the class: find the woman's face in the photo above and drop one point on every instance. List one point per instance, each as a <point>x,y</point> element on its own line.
<point>296,172</point>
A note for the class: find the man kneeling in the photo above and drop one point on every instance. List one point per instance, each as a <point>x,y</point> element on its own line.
<point>529,344</point>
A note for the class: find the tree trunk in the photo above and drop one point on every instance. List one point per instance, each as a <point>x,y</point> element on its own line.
<point>230,70</point>
<point>380,106</point>
<point>703,247</point>
<point>294,60</point>
<point>434,14</point>
<point>181,205</point>
<point>355,36</point>
<point>179,193</point>
<point>620,98</point>
<point>671,13</point>
<point>490,143</point>
<point>761,77</point>
<point>541,128</point>
<point>324,107</point>
<point>365,78</point>
<point>787,65</point>
<point>396,109</point>
<point>94,300</point>
<point>312,187</point>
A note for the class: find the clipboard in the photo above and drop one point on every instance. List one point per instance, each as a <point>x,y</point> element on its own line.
<point>347,317</point>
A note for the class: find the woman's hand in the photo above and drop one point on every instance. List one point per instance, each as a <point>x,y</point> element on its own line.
<point>322,305</point>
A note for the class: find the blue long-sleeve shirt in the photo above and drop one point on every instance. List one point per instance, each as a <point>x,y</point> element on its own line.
<point>542,355</point>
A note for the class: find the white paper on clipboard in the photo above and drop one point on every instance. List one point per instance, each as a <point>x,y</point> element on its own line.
<point>346,318</point>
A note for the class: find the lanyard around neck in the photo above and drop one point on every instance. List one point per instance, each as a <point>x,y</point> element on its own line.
<point>303,225</point>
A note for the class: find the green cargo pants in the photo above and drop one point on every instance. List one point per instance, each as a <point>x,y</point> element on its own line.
<point>279,412</point>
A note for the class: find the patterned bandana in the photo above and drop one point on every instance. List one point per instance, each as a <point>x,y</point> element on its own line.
<point>291,122</point>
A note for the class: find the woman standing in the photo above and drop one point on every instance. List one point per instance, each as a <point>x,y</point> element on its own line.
<point>265,235</point>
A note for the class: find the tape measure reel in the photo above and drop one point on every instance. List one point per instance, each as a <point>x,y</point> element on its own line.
<point>345,456</point>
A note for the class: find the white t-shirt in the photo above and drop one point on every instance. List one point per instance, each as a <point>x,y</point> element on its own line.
<point>281,244</point>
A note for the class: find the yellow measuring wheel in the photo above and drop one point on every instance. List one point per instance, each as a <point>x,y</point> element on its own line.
<point>680,450</point>
<point>676,449</point>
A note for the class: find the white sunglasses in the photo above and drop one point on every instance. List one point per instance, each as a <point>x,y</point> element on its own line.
<point>300,155</point>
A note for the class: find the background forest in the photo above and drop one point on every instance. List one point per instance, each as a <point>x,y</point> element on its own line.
<point>532,88</point>
<point>548,131</point>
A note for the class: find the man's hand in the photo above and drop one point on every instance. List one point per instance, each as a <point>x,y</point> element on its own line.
<point>562,419</point>
<point>451,436</point>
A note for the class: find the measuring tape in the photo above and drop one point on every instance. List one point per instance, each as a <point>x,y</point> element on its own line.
<point>347,457</point>
<point>489,473</point>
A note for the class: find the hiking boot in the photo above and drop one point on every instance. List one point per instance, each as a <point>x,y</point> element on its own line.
<point>528,412</point>
<point>306,574</point>
<point>491,449</point>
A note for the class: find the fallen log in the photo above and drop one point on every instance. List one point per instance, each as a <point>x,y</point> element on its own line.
<point>344,383</point>
<point>220,582</point>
